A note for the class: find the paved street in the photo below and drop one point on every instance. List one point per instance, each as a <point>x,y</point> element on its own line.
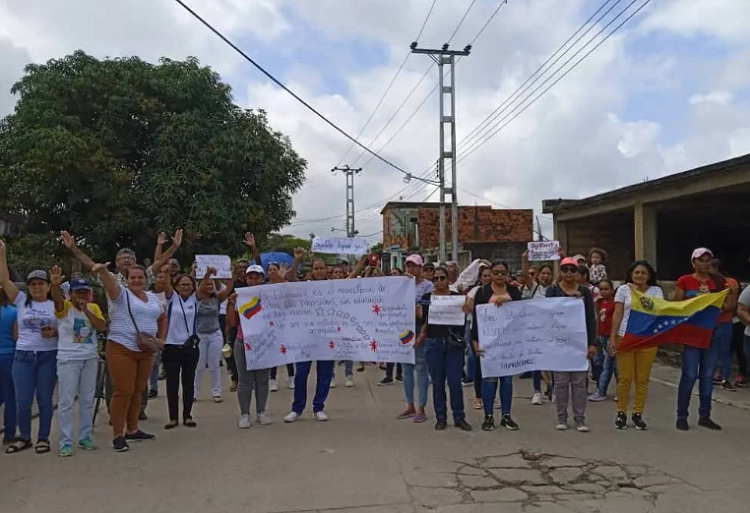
<point>366,461</point>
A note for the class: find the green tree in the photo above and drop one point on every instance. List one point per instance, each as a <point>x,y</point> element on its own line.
<point>116,150</point>
<point>284,243</point>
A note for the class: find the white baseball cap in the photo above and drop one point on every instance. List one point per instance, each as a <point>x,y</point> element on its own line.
<point>256,269</point>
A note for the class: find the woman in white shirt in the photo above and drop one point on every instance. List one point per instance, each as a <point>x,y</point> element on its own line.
<point>633,365</point>
<point>35,360</point>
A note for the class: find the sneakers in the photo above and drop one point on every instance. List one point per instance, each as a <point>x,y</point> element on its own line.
<point>489,423</point>
<point>727,386</point>
<point>706,422</point>
<point>638,422</point>
<point>349,383</point>
<point>399,378</point>
<point>420,417</point>
<point>289,383</point>
<point>273,385</point>
<point>717,379</point>
<point>263,419</point>
<point>682,425</point>
<point>581,426</point>
<point>466,382</point>
<point>408,413</point>
<point>87,444</point>
<point>440,425</point>
<point>244,422</point>
<point>562,425</point>
<point>621,422</point>
<point>218,399</point>
<point>153,393</point>
<point>66,450</point>
<point>139,436</point>
<point>320,416</point>
<point>119,444</point>
<point>536,400</point>
<point>477,404</point>
<point>508,423</point>
<point>741,382</point>
<point>291,417</point>
<point>463,425</point>
<point>597,397</point>
<point>333,383</point>
<point>385,381</point>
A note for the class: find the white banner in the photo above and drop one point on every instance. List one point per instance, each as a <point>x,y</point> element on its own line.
<point>222,264</point>
<point>447,310</point>
<point>340,245</point>
<point>544,250</point>
<point>363,319</point>
<point>542,334</point>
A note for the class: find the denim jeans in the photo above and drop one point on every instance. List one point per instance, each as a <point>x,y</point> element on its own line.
<point>489,390</point>
<point>76,377</point>
<point>445,364</point>
<point>34,372</point>
<point>608,367</point>
<point>8,395</point>
<point>348,369</point>
<point>537,381</point>
<point>723,335</point>
<point>322,386</point>
<point>471,361</point>
<point>697,364</point>
<point>423,380</point>
<point>597,362</point>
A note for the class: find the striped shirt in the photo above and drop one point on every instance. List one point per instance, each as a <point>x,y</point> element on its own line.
<point>121,328</point>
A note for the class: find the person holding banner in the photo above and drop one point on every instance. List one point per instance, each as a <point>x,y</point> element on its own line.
<point>497,292</point>
<point>635,364</point>
<point>485,277</point>
<point>571,386</point>
<point>444,350</point>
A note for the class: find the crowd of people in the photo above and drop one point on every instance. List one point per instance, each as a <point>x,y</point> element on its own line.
<point>161,322</point>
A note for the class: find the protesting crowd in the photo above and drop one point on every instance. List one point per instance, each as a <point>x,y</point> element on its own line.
<point>166,321</point>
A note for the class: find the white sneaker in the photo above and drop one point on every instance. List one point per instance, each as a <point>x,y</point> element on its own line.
<point>292,417</point>
<point>289,383</point>
<point>537,399</point>
<point>582,427</point>
<point>562,426</point>
<point>274,386</point>
<point>349,383</point>
<point>244,421</point>
<point>333,383</point>
<point>264,420</point>
<point>321,416</point>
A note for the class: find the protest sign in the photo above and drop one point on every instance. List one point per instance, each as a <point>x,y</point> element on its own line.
<point>222,264</point>
<point>547,334</point>
<point>544,250</point>
<point>447,310</point>
<point>367,320</point>
<point>340,245</point>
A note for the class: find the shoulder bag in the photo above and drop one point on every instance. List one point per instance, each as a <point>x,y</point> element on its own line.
<point>192,343</point>
<point>145,342</point>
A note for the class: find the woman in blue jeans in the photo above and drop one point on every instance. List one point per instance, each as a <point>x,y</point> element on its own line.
<point>497,292</point>
<point>35,361</point>
<point>444,349</point>
<point>8,336</point>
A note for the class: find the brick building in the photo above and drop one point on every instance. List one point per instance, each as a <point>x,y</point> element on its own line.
<point>483,232</point>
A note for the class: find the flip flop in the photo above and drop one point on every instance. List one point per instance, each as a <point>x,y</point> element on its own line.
<point>42,447</point>
<point>18,446</point>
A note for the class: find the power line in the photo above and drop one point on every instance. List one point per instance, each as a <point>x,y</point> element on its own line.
<point>462,21</point>
<point>292,93</point>
<point>425,20</point>
<point>489,20</point>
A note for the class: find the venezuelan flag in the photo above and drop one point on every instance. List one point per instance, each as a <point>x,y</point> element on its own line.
<point>654,321</point>
<point>252,307</point>
<point>406,337</point>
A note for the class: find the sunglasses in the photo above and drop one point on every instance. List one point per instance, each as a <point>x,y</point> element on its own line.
<point>440,278</point>
<point>568,269</point>
<point>500,273</point>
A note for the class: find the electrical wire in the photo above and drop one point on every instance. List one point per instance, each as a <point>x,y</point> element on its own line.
<point>425,21</point>
<point>489,20</point>
<point>462,21</point>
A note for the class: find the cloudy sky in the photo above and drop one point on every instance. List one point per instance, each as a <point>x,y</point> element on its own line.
<point>668,92</point>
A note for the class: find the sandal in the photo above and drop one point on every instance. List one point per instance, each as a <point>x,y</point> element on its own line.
<point>18,446</point>
<point>189,422</point>
<point>42,447</point>
<point>172,424</point>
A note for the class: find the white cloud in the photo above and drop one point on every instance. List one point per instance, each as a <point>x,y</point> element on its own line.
<point>717,97</point>
<point>722,19</point>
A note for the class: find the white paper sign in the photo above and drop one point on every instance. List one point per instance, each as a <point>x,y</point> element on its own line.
<point>544,334</point>
<point>365,319</point>
<point>222,264</point>
<point>447,310</point>
<point>340,245</point>
<point>544,250</point>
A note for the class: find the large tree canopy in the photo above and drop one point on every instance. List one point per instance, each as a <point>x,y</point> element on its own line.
<point>117,150</point>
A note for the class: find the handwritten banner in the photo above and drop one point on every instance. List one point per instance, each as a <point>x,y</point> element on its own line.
<point>364,319</point>
<point>221,263</point>
<point>548,334</point>
<point>544,250</point>
<point>340,245</point>
<point>447,310</point>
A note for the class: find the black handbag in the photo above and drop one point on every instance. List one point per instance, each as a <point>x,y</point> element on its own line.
<point>192,343</point>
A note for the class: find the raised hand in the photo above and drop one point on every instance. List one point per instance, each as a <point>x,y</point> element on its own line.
<point>250,240</point>
<point>3,248</point>
<point>232,299</point>
<point>98,268</point>
<point>68,239</point>
<point>56,276</point>
<point>282,270</point>
<point>161,239</point>
<point>299,253</point>
<point>210,271</point>
<point>177,239</point>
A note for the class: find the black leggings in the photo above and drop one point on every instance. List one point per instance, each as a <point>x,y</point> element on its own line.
<point>179,363</point>
<point>477,376</point>
<point>389,370</point>
<point>289,371</point>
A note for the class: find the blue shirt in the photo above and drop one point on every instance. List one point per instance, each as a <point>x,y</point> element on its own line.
<point>7,320</point>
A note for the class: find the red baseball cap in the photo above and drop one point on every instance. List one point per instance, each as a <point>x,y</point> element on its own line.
<point>569,261</point>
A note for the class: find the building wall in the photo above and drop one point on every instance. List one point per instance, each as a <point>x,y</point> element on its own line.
<point>477,225</point>
<point>612,233</point>
<point>398,229</point>
<point>511,252</point>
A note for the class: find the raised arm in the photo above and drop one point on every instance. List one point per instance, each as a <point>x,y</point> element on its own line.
<point>250,242</point>
<point>70,243</point>
<point>164,257</point>
<point>299,254</point>
<point>232,319</point>
<point>168,286</point>
<point>55,279</point>
<point>227,291</point>
<point>160,241</point>
<point>8,286</point>
<point>358,268</point>
<point>108,280</point>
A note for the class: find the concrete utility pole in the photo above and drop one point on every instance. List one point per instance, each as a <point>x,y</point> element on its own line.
<point>442,57</point>
<point>349,173</point>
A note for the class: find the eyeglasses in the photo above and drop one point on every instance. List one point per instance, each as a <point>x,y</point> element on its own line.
<point>500,273</point>
<point>440,278</point>
<point>568,269</point>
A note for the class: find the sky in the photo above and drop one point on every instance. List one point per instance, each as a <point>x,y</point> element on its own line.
<point>669,91</point>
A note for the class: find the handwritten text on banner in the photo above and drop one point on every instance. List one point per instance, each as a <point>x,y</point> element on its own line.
<point>221,263</point>
<point>447,310</point>
<point>546,334</point>
<point>340,245</point>
<point>366,320</point>
<point>544,250</point>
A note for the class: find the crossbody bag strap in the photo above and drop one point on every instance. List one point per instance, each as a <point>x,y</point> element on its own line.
<point>184,316</point>
<point>130,312</point>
